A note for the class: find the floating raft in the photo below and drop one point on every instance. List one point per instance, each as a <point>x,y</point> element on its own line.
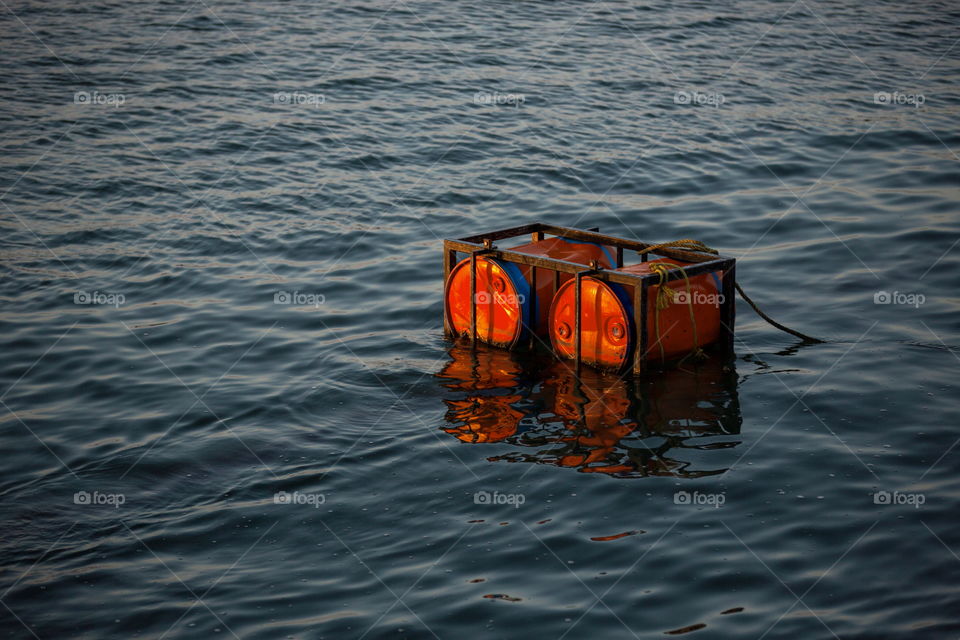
<point>570,290</point>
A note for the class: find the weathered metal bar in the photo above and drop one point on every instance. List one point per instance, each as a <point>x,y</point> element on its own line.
<point>506,233</point>
<point>696,269</point>
<point>692,270</point>
<point>565,266</point>
<point>640,297</point>
<point>532,315</point>
<point>473,299</point>
<point>588,236</point>
<point>728,311</point>
<point>635,245</point>
<point>449,261</point>
<point>576,319</point>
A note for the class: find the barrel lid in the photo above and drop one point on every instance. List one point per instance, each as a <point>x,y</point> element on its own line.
<point>502,296</point>
<point>605,334</point>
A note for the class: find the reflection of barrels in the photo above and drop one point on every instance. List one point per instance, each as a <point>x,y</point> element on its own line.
<point>592,421</point>
<point>594,408</point>
<point>477,369</point>
<point>483,418</point>
<point>490,378</point>
<point>607,331</point>
<point>503,290</point>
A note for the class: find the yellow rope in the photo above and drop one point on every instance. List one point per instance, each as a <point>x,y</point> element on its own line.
<point>690,245</point>
<point>664,296</point>
<point>662,301</point>
<point>662,272</point>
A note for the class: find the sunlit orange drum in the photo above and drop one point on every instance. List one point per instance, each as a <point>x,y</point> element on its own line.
<point>503,290</point>
<point>607,332</point>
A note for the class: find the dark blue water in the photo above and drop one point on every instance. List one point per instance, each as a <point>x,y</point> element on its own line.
<point>172,173</point>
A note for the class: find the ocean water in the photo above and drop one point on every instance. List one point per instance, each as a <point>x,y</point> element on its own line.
<point>228,407</point>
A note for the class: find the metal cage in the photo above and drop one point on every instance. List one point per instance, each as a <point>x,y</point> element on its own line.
<point>483,244</point>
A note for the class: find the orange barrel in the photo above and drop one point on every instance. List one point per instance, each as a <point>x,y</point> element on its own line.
<point>503,290</point>
<point>607,332</point>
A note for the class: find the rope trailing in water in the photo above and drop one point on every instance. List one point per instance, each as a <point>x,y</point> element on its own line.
<point>773,322</point>
<point>696,245</point>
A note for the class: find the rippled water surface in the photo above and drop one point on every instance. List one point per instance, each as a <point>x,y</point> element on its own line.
<point>172,173</point>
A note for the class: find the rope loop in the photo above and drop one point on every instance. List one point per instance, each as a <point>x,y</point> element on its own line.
<point>665,296</point>
<point>665,293</point>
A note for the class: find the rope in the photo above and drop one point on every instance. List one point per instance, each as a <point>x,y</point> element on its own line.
<point>664,295</point>
<point>665,292</point>
<point>773,322</point>
<point>660,303</point>
<point>691,245</point>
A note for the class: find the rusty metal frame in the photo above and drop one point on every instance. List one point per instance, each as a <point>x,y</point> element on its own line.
<point>483,244</point>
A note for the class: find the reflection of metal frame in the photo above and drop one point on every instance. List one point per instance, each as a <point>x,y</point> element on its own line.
<point>482,244</point>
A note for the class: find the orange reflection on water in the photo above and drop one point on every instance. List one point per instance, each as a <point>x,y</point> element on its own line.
<point>668,423</point>
<point>488,376</point>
